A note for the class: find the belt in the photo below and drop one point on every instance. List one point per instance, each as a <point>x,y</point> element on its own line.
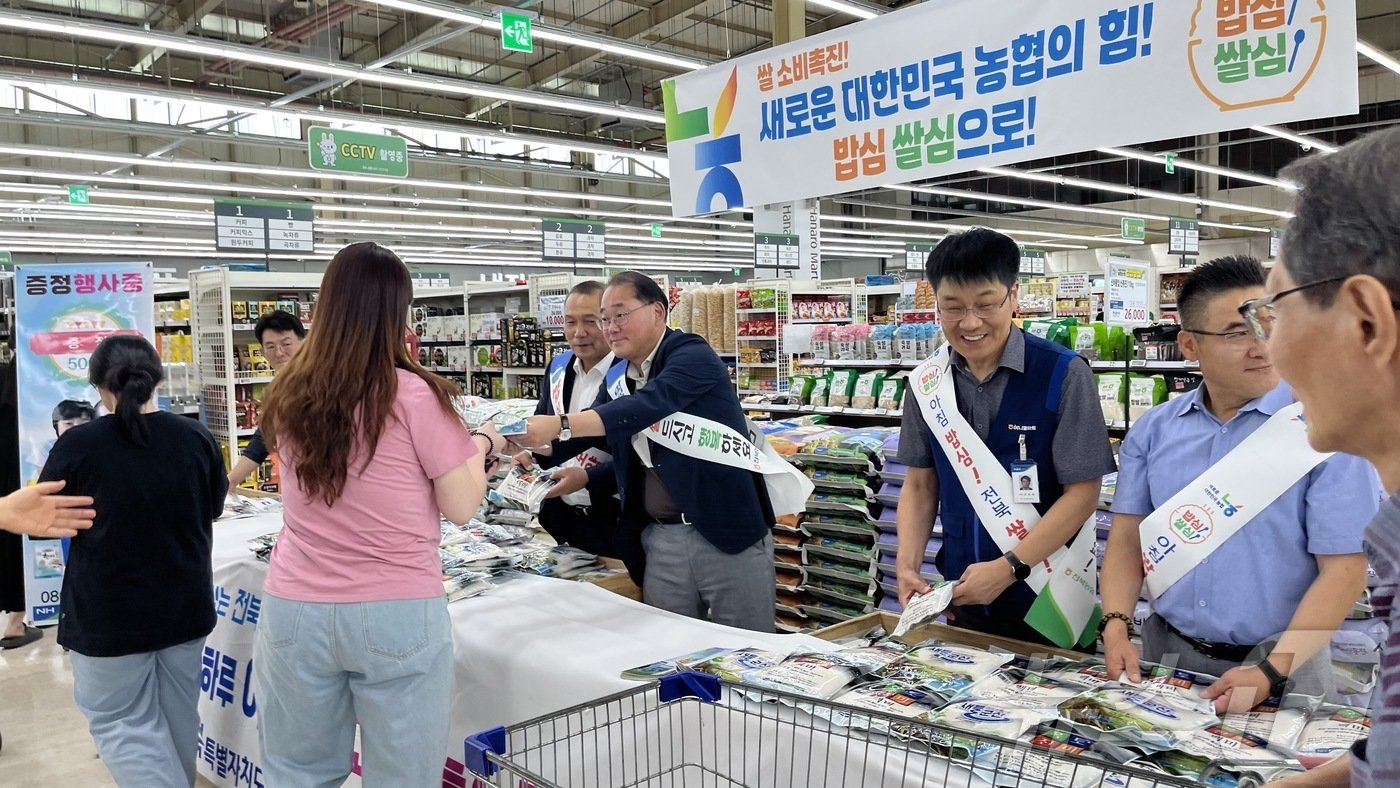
<point>682,520</point>
<point>1225,652</point>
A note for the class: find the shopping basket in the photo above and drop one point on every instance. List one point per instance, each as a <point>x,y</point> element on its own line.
<point>692,730</point>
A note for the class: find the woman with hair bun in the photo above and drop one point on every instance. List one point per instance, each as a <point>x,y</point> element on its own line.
<point>137,599</point>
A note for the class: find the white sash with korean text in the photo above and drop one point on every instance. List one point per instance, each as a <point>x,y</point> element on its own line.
<point>711,441</point>
<point>1224,499</point>
<point>1066,584</point>
<point>558,368</point>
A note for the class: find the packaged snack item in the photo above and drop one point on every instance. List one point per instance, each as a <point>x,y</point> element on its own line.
<point>821,387</point>
<point>700,311</point>
<point>812,674</point>
<point>666,667</point>
<point>716,317</point>
<point>989,718</point>
<point>1089,673</point>
<point>822,342</point>
<point>882,342</point>
<point>926,607</point>
<point>1161,721</point>
<point>907,342</point>
<point>1332,730</point>
<point>1144,394</point>
<point>867,389</point>
<point>881,697</point>
<point>944,670</point>
<point>1023,689</point>
<point>843,384</point>
<point>524,488</point>
<point>735,665</point>
<point>729,312</point>
<point>874,657</point>
<point>1036,765</point>
<point>800,387</point>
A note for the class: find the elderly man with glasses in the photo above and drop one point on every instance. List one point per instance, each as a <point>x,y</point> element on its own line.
<point>999,403</point>
<point>1332,323</point>
<point>1219,500</point>
<point>695,524</point>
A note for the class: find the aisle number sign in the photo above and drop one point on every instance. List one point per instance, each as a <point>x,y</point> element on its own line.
<point>263,226</point>
<point>62,313</point>
<point>573,240</point>
<point>517,33</point>
<point>341,150</point>
<point>942,88</point>
<point>916,255</point>
<point>1033,261</point>
<point>1185,236</point>
<point>776,255</point>
<point>1275,243</point>
<point>1126,297</point>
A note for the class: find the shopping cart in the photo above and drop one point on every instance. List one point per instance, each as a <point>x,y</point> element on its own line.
<point>694,731</point>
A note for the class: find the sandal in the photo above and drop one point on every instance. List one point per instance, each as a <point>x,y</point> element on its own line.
<point>30,635</point>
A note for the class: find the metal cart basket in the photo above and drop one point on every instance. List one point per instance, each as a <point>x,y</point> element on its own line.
<point>693,731</point>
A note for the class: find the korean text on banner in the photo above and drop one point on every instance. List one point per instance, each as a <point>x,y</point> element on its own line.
<point>949,87</point>
<point>61,313</point>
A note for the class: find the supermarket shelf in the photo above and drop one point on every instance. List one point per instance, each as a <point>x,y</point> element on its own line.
<point>525,370</point>
<point>252,325</point>
<point>874,413</point>
<point>1116,425</point>
<point>446,370</point>
<point>1163,366</point>
<point>185,410</point>
<point>251,379</point>
<point>1168,306</point>
<point>868,363</point>
<point>436,342</point>
<point>771,365</point>
<point>757,311</point>
<point>173,324</point>
<point>491,370</point>
<point>757,339</point>
<point>476,342</point>
<point>246,433</point>
<point>835,320</point>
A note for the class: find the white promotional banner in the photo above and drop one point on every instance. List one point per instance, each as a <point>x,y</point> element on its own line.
<point>1127,292</point>
<point>957,85</point>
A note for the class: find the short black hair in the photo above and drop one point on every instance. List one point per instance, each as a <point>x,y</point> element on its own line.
<point>976,255</point>
<point>591,287</point>
<point>1207,281</point>
<point>72,409</point>
<point>279,320</point>
<point>646,288</point>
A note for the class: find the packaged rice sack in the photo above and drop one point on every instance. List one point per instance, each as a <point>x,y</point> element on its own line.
<point>685,315</point>
<point>944,670</point>
<point>989,718</point>
<point>800,387</point>
<point>1332,730</point>
<point>1113,395</point>
<point>730,312</point>
<point>700,311</point>
<point>1022,689</point>
<point>734,665</point>
<point>812,674</point>
<point>876,656</point>
<point>1160,721</point>
<point>882,697</point>
<point>1144,394</point>
<point>715,316</point>
<point>843,386</point>
<point>867,389</point>
<point>821,389</point>
<point>892,393</point>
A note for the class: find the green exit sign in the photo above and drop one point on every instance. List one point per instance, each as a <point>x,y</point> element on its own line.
<point>5,258</point>
<point>656,229</point>
<point>517,34</point>
<point>1134,228</point>
<point>77,195</point>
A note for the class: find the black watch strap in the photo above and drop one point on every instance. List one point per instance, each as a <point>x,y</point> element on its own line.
<point>1020,569</point>
<point>1278,683</point>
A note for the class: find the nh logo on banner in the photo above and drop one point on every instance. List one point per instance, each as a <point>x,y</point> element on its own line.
<point>954,86</point>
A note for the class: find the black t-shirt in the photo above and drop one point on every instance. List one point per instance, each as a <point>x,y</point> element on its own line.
<point>140,579</point>
<point>256,450</point>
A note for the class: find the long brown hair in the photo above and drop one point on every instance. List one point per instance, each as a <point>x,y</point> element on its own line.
<point>338,392</point>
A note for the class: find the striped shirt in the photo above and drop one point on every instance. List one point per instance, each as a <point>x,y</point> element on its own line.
<point>1376,762</point>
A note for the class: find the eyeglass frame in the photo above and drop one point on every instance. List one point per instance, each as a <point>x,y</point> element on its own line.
<point>620,320</point>
<point>1229,336</point>
<point>1249,310</point>
<point>942,312</point>
<point>282,347</point>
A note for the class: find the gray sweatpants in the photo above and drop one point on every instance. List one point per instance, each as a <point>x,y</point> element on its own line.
<point>1160,645</point>
<point>686,574</point>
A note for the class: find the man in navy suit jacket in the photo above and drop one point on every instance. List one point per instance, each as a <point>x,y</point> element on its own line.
<point>694,533</point>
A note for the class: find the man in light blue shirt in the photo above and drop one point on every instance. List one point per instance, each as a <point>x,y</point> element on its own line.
<point>1264,604</point>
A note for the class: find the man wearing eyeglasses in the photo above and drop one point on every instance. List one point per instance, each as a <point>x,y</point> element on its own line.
<point>280,333</point>
<point>1332,321</point>
<point>582,509</point>
<point>996,404</point>
<point>694,528</point>
<point>1252,539</point>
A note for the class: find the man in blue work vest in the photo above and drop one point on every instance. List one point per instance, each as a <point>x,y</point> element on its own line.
<point>993,404</point>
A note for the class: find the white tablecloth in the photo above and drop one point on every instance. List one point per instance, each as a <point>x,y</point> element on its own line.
<point>529,648</point>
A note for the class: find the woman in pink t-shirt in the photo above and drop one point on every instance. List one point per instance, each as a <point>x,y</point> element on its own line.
<point>354,623</point>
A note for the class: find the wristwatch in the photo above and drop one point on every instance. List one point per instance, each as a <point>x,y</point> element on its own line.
<point>1279,685</point>
<point>564,432</point>
<point>1019,568</point>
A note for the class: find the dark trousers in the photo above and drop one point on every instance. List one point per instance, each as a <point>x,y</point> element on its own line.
<point>592,529</point>
<point>11,573</point>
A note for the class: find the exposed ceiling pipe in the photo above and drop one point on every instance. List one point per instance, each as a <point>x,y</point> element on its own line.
<point>290,35</point>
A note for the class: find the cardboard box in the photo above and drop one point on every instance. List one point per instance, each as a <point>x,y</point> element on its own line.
<point>966,637</point>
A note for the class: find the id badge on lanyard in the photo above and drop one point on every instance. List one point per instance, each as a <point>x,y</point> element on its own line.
<point>1025,477</point>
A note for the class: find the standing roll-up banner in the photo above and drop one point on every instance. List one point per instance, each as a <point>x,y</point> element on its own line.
<point>62,312</point>
<point>958,85</point>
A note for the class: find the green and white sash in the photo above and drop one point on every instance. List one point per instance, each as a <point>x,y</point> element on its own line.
<point>1066,585</point>
<point>1224,499</point>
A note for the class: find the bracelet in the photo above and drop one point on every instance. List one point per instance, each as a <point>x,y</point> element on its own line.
<point>490,440</point>
<point>1124,617</point>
